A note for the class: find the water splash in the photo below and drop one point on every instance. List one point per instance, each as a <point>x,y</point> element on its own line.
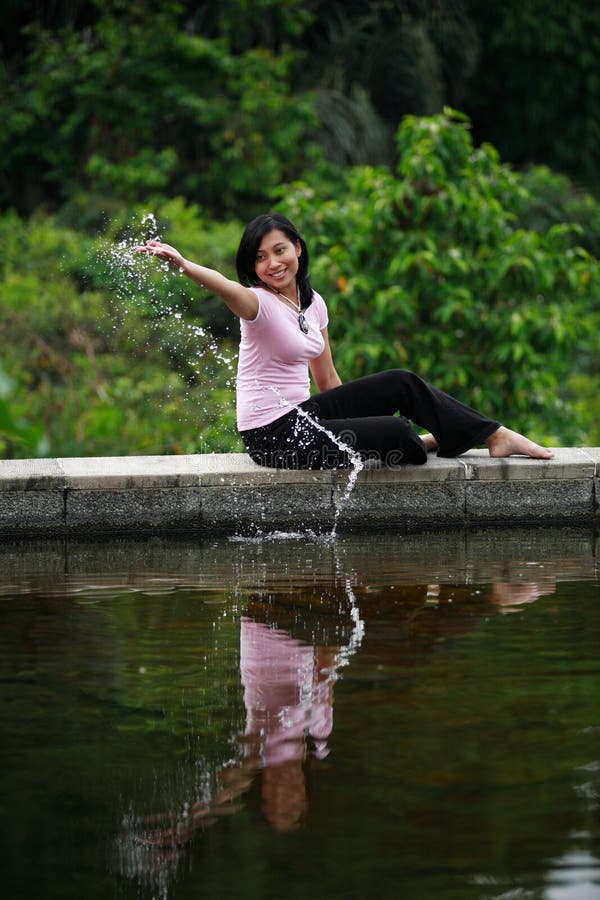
<point>148,291</point>
<point>147,286</point>
<point>358,628</point>
<point>134,282</point>
<point>357,465</point>
<point>261,537</point>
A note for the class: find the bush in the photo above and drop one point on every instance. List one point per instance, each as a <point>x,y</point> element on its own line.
<point>450,266</point>
<point>429,268</point>
<point>135,105</point>
<point>107,353</point>
<point>17,437</point>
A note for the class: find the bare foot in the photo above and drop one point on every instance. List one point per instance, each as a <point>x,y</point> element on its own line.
<point>505,442</point>
<point>430,442</point>
<point>508,595</point>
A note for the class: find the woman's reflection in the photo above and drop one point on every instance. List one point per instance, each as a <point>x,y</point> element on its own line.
<point>288,688</point>
<point>288,694</point>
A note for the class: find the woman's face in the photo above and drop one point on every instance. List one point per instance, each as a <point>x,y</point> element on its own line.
<point>276,261</point>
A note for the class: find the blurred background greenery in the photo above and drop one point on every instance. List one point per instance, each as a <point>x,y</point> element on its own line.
<point>463,245</point>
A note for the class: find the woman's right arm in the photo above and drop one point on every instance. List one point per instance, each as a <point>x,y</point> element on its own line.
<point>241,300</point>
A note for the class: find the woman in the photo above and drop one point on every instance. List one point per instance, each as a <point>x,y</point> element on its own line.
<point>284,333</point>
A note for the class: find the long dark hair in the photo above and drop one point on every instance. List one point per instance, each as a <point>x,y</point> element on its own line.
<point>251,241</point>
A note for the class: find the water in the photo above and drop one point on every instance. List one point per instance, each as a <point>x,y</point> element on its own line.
<point>151,303</point>
<point>148,285</point>
<point>355,459</point>
<point>400,716</point>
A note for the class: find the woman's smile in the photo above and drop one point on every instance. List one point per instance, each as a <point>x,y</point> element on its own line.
<point>277,261</point>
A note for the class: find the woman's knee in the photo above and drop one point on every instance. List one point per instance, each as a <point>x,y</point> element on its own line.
<point>398,377</point>
<point>405,375</point>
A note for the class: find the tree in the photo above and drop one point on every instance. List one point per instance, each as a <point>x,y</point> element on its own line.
<point>536,90</point>
<point>135,106</point>
<point>428,268</point>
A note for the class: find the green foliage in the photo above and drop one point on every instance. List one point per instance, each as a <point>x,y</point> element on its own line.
<point>250,23</point>
<point>552,199</point>
<point>17,437</point>
<point>584,393</point>
<point>450,266</point>
<point>218,102</point>
<point>109,355</point>
<point>536,92</point>
<point>405,55</point>
<point>429,269</point>
<point>136,106</point>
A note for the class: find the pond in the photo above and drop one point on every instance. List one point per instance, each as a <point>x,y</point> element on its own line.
<point>293,716</point>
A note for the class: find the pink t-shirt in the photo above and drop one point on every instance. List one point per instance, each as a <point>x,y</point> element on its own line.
<point>286,699</point>
<point>272,374</point>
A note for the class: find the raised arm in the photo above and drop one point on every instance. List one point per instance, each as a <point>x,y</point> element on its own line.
<point>241,300</point>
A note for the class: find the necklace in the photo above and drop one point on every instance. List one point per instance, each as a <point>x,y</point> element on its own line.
<point>298,308</point>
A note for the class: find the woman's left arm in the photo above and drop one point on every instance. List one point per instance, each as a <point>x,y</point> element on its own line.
<point>322,368</point>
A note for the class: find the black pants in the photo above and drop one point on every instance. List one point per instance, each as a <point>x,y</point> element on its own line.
<point>361,415</point>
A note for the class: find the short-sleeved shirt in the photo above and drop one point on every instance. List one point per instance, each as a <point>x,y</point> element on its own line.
<point>272,374</point>
<point>286,698</point>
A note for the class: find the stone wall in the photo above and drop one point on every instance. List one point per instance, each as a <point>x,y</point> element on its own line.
<point>228,494</point>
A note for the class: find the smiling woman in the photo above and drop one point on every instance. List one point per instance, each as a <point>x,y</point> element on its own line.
<point>277,263</point>
<point>283,323</point>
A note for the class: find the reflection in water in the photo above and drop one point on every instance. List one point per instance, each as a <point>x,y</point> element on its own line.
<point>510,597</point>
<point>288,696</point>
<point>197,681</point>
<point>288,693</point>
<point>560,877</point>
<point>288,686</point>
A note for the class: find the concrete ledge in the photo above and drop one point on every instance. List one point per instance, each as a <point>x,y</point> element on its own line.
<point>228,494</point>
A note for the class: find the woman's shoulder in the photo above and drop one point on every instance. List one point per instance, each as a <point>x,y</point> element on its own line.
<point>265,297</point>
<point>266,304</point>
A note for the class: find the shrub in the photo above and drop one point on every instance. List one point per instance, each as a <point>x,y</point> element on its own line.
<point>429,268</point>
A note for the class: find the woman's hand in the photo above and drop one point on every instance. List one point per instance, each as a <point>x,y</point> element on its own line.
<point>241,300</point>
<point>164,251</point>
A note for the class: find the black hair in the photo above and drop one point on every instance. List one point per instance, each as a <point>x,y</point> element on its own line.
<point>251,241</point>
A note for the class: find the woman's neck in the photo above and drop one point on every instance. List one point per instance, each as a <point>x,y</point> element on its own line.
<point>293,300</point>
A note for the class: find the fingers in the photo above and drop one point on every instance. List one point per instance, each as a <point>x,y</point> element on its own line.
<point>164,251</point>
<point>156,248</point>
<point>149,247</point>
